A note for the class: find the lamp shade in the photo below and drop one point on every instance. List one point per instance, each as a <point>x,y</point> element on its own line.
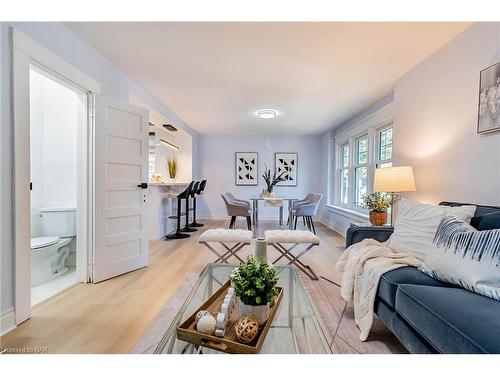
<point>394,179</point>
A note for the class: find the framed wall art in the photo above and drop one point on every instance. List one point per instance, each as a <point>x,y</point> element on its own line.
<point>287,163</point>
<point>246,168</point>
<point>489,99</point>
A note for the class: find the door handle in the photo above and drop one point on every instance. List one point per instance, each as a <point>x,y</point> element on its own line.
<point>143,185</point>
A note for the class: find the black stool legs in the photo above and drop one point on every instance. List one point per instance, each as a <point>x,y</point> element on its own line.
<point>187,228</point>
<point>178,234</point>
<point>194,224</point>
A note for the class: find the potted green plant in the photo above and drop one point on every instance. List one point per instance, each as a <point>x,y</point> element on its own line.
<point>271,181</point>
<point>172,167</point>
<point>377,204</point>
<point>254,283</point>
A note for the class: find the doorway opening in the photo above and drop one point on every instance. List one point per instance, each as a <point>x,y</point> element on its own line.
<point>58,122</point>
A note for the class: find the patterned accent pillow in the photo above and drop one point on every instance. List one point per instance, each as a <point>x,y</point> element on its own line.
<point>466,257</point>
<point>417,223</point>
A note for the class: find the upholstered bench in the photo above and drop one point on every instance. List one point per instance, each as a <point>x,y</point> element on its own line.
<point>293,238</point>
<point>232,240</point>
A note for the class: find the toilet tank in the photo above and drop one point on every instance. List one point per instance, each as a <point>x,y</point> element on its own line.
<point>58,221</point>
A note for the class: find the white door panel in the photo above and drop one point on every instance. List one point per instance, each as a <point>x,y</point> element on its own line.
<point>121,164</point>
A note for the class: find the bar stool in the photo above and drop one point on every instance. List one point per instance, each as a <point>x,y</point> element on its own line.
<point>187,228</point>
<point>178,233</point>
<point>197,190</point>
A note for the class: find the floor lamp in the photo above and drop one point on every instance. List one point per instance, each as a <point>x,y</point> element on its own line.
<point>394,180</point>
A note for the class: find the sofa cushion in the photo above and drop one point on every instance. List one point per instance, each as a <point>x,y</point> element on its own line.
<point>417,223</point>
<point>485,217</point>
<point>454,320</point>
<point>389,282</point>
<point>466,257</point>
<point>489,219</point>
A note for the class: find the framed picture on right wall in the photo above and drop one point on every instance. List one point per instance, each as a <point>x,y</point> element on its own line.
<point>286,163</point>
<point>489,99</point>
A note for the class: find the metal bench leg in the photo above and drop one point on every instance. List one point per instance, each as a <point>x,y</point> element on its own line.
<point>233,250</point>
<point>294,260</point>
<point>282,252</point>
<point>219,255</point>
<point>230,251</point>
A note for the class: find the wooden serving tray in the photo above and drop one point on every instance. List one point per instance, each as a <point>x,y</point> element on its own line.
<point>229,343</point>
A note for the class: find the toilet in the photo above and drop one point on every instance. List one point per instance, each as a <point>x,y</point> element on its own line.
<point>49,252</point>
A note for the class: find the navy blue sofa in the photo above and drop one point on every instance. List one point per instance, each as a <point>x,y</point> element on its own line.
<point>429,316</point>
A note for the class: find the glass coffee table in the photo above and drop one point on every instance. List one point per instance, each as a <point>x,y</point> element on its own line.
<point>295,328</point>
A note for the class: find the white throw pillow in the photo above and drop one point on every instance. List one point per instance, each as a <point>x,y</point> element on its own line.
<point>466,257</point>
<point>417,224</point>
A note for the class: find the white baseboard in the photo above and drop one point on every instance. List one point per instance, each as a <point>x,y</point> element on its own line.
<point>339,230</point>
<point>7,321</point>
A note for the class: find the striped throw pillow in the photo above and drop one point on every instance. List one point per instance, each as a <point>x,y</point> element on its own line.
<point>466,257</point>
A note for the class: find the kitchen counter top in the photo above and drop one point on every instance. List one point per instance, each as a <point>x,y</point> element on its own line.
<point>169,183</point>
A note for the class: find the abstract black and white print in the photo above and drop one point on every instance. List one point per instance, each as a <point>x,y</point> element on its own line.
<point>466,257</point>
<point>287,164</point>
<point>246,168</point>
<point>489,99</point>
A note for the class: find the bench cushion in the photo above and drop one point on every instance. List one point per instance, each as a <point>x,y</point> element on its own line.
<point>454,320</point>
<point>389,282</point>
<point>226,235</point>
<point>291,236</point>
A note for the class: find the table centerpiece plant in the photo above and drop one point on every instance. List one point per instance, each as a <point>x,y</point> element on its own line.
<point>172,165</point>
<point>254,283</point>
<point>377,204</point>
<point>271,181</point>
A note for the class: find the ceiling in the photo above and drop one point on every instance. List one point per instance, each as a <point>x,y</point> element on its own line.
<point>215,76</point>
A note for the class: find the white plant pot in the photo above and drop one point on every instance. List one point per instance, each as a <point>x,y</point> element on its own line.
<point>260,313</point>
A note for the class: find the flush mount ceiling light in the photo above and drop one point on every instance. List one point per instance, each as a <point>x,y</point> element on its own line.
<point>267,113</point>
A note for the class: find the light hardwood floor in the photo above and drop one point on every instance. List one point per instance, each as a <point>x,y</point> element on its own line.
<point>110,317</point>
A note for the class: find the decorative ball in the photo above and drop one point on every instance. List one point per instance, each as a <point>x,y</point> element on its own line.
<point>206,324</point>
<point>247,329</point>
<point>201,314</point>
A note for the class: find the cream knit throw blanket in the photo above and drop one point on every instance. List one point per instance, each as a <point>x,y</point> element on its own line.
<point>362,265</point>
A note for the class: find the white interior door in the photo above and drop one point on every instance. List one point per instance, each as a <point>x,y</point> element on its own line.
<point>121,166</point>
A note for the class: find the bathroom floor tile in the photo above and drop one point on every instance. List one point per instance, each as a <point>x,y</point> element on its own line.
<point>41,292</point>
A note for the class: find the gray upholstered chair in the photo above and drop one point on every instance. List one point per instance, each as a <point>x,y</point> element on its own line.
<point>237,207</point>
<point>307,209</point>
<point>303,201</point>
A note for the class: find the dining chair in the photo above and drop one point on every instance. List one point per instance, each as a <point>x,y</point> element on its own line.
<point>308,209</point>
<point>298,203</point>
<point>237,207</point>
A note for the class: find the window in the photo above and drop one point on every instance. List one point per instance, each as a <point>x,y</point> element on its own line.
<point>357,159</point>
<point>384,147</point>
<point>344,174</point>
<point>360,169</point>
<point>152,156</point>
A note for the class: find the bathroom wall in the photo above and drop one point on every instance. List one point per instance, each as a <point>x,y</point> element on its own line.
<point>53,148</point>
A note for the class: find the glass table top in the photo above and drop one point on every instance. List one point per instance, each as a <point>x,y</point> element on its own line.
<point>294,330</point>
<point>261,198</point>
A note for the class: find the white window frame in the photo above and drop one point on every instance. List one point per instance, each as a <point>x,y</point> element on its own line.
<point>339,169</point>
<point>377,145</point>
<point>351,138</point>
<point>357,165</point>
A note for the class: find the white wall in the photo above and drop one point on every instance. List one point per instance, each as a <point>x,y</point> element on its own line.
<point>436,106</point>
<point>114,83</point>
<point>217,165</point>
<point>53,149</point>
<point>435,120</point>
<point>181,138</point>
<point>378,114</point>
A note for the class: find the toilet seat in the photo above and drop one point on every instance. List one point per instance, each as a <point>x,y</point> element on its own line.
<point>40,242</point>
